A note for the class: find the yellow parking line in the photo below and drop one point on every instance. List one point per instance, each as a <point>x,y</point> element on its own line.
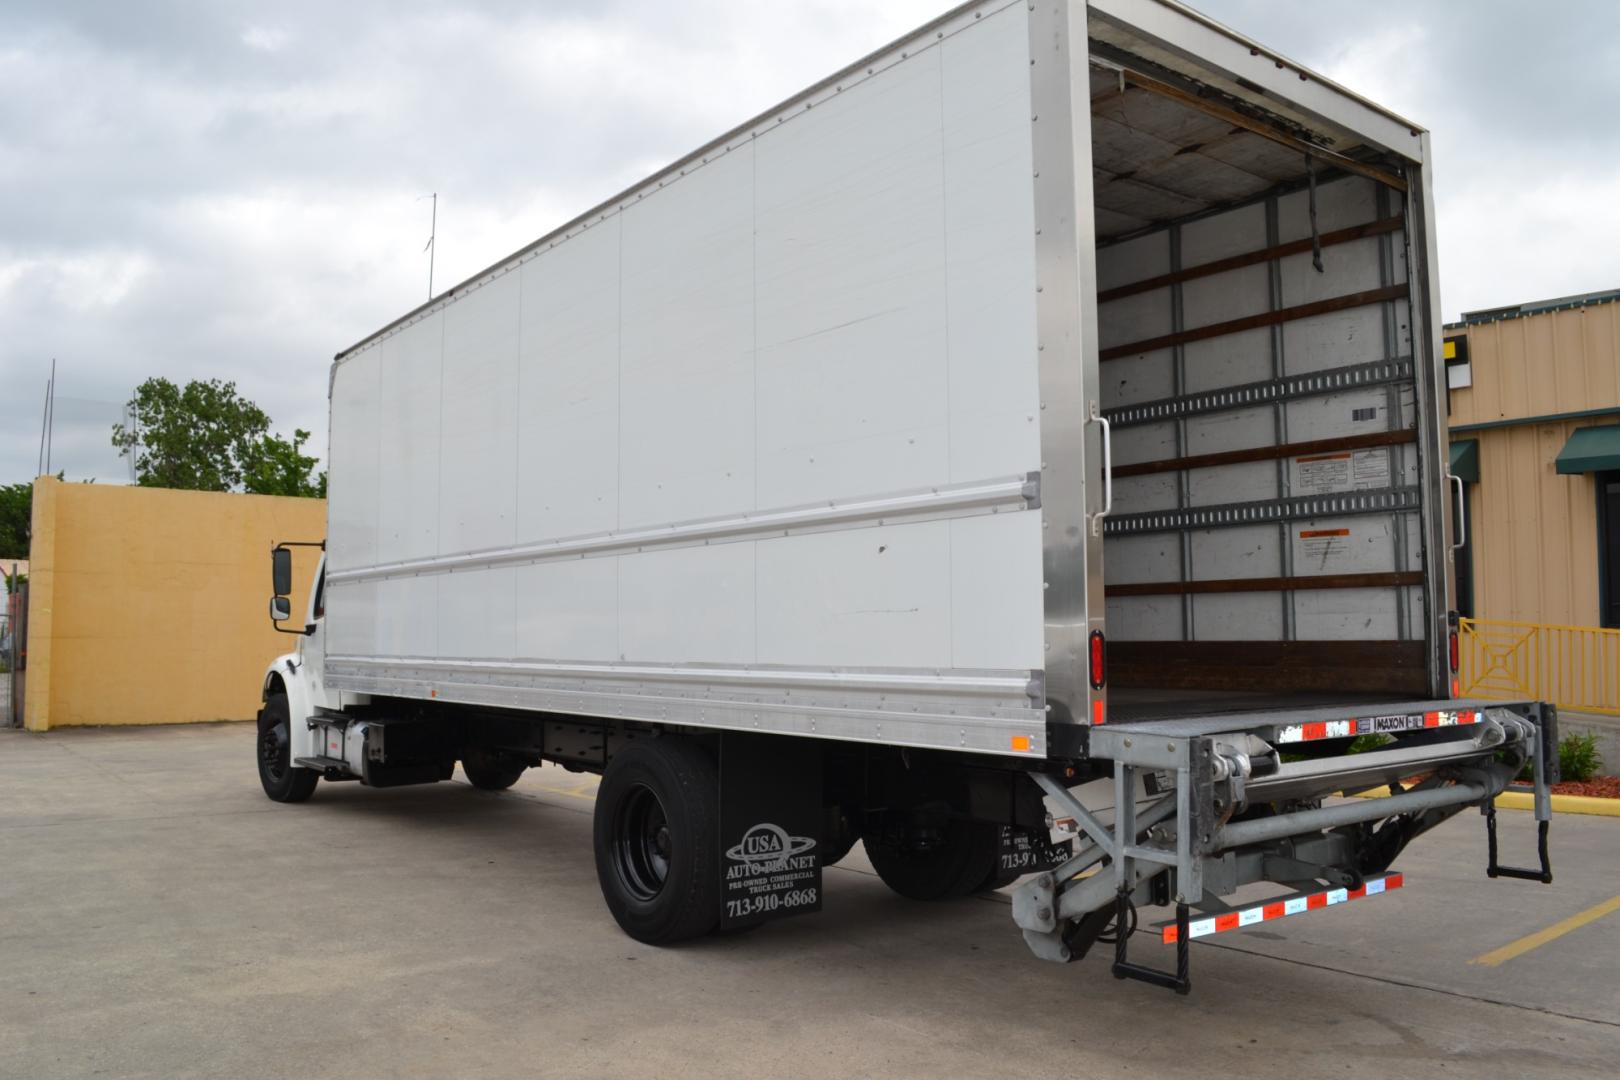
<point>588,794</point>
<point>1552,933</point>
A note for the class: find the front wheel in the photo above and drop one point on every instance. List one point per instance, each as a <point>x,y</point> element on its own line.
<point>656,837</point>
<point>283,781</point>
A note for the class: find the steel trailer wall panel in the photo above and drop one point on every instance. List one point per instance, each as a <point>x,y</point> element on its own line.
<point>353,488</point>
<point>851,294</point>
<point>567,609</point>
<point>686,365</point>
<point>865,597</point>
<point>568,388</point>
<point>992,390</point>
<point>410,381</point>
<point>478,419</point>
<point>837,307</point>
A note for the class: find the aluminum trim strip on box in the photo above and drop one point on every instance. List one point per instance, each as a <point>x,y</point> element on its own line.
<point>854,715</point>
<point>1009,685</point>
<point>1302,507</point>
<point>984,496</point>
<point>1440,517</point>
<point>1066,344</point>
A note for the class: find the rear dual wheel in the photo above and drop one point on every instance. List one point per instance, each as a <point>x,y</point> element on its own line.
<point>938,861</point>
<point>655,832</point>
<point>488,771</point>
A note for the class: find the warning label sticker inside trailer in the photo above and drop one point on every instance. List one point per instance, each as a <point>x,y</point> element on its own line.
<point>1321,549</point>
<point>1327,474</point>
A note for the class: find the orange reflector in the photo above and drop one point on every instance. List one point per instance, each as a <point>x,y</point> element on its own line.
<point>1097,711</point>
<point>1020,743</point>
<point>1456,688</point>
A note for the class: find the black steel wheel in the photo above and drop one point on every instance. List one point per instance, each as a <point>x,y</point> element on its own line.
<point>641,843</point>
<point>937,860</point>
<point>283,781</point>
<point>656,837</point>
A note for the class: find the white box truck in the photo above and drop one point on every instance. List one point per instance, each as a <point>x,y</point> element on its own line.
<point>1021,451</point>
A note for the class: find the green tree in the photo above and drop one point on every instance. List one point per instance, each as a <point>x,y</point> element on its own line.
<point>207,437</point>
<point>198,438</point>
<point>278,467</point>
<point>16,514</point>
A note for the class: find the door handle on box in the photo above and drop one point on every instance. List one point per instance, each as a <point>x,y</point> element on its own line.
<point>1107,470</point>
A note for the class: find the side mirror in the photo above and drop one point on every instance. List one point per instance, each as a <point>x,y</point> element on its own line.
<point>281,572</point>
<point>280,609</point>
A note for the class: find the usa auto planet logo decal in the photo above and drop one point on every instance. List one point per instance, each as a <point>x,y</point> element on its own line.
<point>766,848</point>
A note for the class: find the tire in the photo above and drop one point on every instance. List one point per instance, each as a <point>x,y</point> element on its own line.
<point>838,836</point>
<point>656,836</point>
<point>283,781</point>
<point>998,879</point>
<point>490,772</point>
<point>956,860</point>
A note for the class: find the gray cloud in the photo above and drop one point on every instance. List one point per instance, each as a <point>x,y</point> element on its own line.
<point>231,189</point>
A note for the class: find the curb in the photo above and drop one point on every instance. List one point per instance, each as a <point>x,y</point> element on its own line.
<point>1561,804</point>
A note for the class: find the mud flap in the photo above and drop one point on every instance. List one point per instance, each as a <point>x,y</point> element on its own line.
<point>1028,851</point>
<point>770,825</point>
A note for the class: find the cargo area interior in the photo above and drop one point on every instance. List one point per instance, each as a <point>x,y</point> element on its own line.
<point>1265,547</point>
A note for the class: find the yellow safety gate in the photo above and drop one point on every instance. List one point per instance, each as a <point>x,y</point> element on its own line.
<point>1574,667</point>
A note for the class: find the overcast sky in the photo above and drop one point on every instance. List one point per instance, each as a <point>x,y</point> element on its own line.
<point>231,189</point>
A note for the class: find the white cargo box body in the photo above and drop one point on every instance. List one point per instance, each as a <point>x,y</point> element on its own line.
<point>805,433</point>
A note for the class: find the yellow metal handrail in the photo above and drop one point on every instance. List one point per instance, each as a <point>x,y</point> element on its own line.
<point>1574,667</point>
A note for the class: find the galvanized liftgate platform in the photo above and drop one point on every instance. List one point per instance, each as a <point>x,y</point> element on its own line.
<point>1190,846</point>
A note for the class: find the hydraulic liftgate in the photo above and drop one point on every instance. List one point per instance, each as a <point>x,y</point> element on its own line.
<point>1210,769</point>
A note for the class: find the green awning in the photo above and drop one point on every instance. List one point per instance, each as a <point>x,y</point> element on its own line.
<point>1465,460</point>
<point>1591,449</point>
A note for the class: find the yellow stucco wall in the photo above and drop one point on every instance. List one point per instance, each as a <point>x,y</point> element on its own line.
<point>149,606</point>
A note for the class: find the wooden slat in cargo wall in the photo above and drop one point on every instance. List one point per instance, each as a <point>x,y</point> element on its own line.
<point>1394,667</point>
<point>1252,258</point>
<point>1258,320</point>
<point>1389,580</point>
<point>1267,453</point>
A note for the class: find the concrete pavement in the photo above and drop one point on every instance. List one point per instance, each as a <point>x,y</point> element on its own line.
<point>160,918</point>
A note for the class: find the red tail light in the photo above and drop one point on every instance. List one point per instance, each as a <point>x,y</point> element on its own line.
<point>1099,660</point>
<point>1454,650</point>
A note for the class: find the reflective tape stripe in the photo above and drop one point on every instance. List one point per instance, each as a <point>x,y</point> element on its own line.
<point>1280,909</point>
<point>1375,725</point>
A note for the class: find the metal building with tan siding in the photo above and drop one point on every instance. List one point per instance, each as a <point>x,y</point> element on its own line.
<point>1535,435</point>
